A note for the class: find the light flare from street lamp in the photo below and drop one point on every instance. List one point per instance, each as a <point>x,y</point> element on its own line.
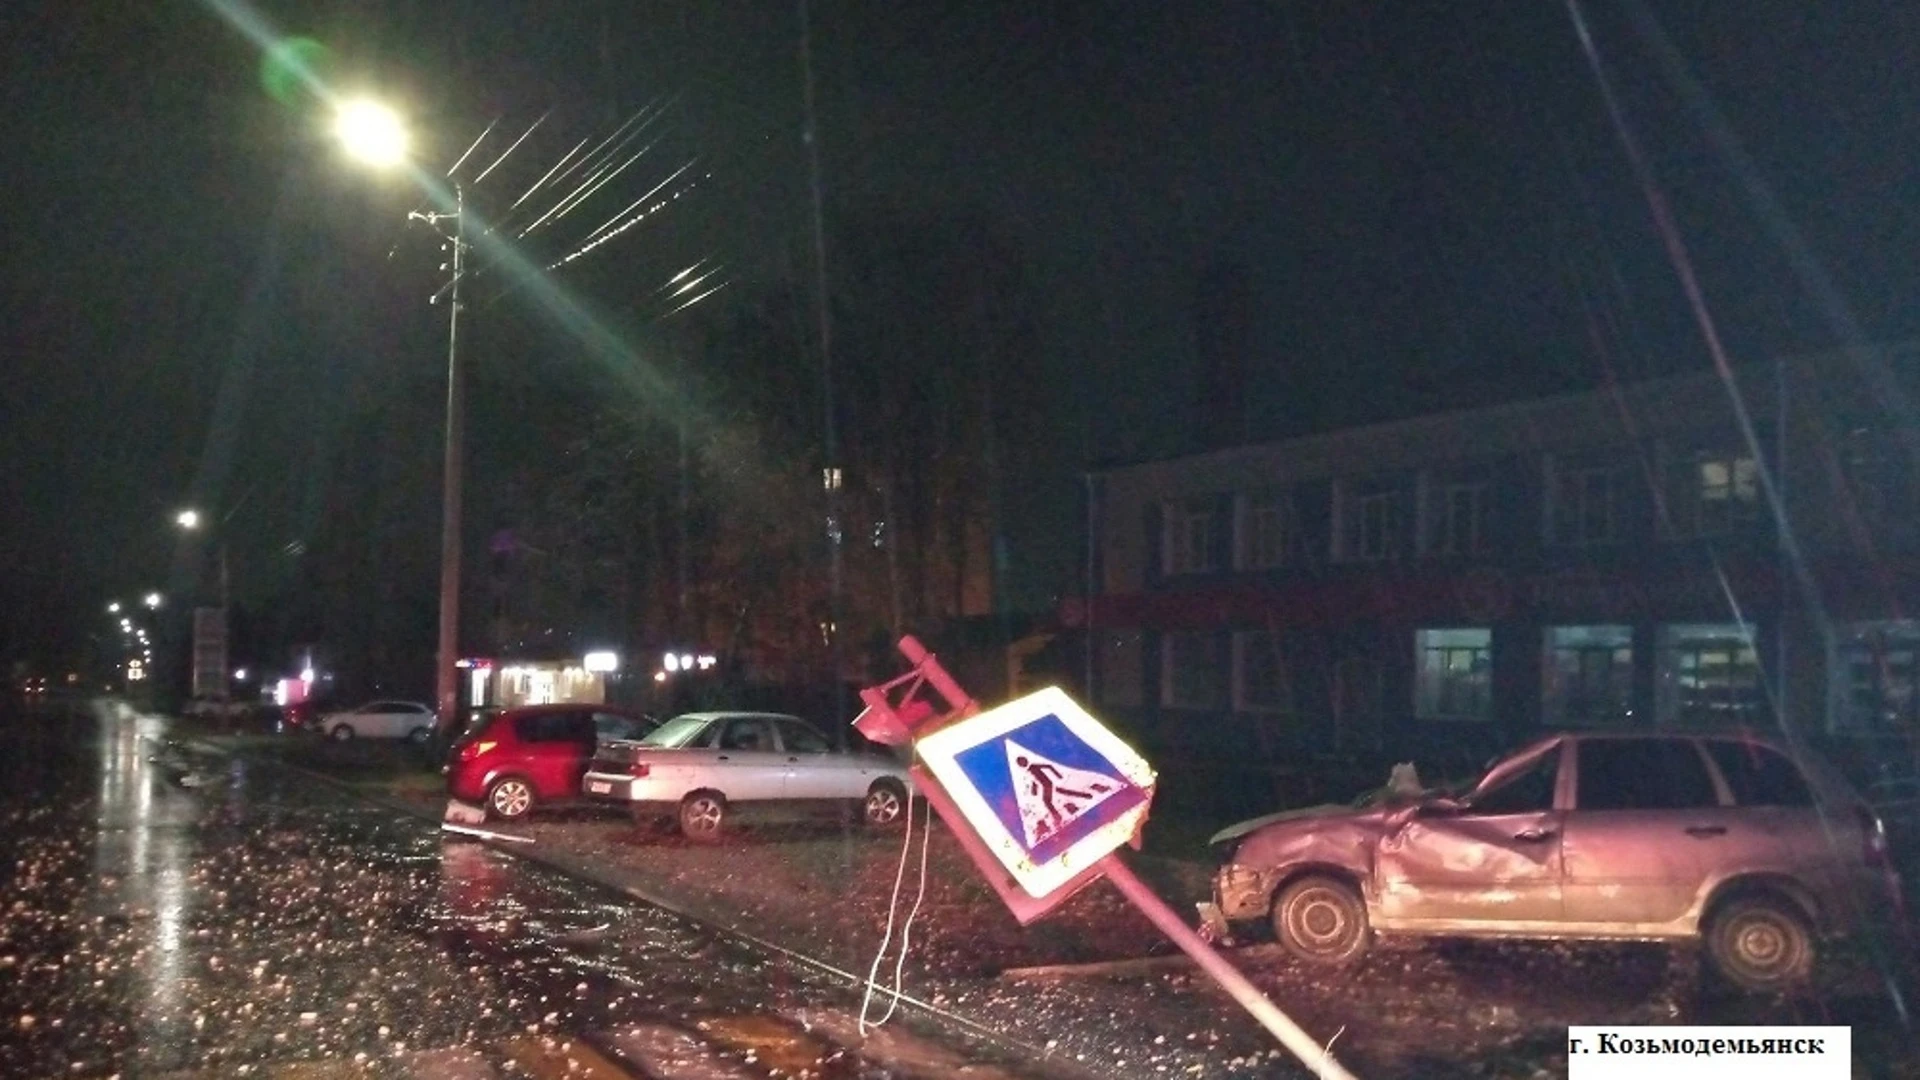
<point>153,600</point>
<point>113,608</point>
<point>371,133</point>
<point>188,519</point>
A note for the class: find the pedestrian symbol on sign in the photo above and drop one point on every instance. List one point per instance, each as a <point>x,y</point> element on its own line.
<point>1050,795</point>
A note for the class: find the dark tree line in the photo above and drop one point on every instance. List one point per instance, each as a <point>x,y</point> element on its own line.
<point>672,491</point>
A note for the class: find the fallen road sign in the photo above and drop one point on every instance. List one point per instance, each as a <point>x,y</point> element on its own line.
<point>1045,785</point>
<point>1044,789</point>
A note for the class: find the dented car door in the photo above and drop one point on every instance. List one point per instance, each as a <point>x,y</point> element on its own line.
<point>1647,826</point>
<point>1491,861</point>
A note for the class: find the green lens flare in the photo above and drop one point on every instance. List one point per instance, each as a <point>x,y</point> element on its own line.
<point>291,68</point>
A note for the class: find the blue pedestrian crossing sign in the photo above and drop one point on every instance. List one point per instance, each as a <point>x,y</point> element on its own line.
<point>1045,785</point>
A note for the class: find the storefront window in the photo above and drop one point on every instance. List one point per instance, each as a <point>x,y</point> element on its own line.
<point>1455,674</point>
<point>1874,673</point>
<point>1709,675</point>
<point>1588,677</point>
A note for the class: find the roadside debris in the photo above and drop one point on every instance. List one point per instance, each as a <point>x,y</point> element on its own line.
<point>464,813</point>
<point>484,834</point>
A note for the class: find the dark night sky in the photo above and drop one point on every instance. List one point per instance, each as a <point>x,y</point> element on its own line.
<point>1423,194</point>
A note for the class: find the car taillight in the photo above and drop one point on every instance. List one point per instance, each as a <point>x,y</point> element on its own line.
<point>1875,836</point>
<point>638,770</point>
<point>475,749</point>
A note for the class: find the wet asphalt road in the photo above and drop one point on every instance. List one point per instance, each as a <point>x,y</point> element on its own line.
<point>167,914</point>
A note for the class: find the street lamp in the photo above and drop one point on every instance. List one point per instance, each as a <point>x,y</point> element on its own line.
<point>153,600</point>
<point>189,521</point>
<point>113,608</point>
<point>371,133</point>
<point>374,135</point>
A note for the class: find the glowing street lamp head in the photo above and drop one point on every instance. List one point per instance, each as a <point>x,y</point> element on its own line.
<point>153,600</point>
<point>113,608</point>
<point>371,133</point>
<point>187,519</point>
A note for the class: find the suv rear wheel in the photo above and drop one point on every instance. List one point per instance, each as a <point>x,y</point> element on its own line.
<point>510,798</point>
<point>1760,944</point>
<point>885,805</point>
<point>1322,919</point>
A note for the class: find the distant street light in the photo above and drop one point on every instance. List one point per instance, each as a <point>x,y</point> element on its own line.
<point>153,600</point>
<point>187,519</point>
<point>374,135</point>
<point>113,608</point>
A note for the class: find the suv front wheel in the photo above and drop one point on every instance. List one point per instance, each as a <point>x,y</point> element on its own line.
<point>1322,919</point>
<point>1760,944</point>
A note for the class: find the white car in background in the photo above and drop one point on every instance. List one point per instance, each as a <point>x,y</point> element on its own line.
<point>700,768</point>
<point>407,720</point>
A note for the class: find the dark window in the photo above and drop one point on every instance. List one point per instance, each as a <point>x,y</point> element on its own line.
<point>1192,675</point>
<point>747,733</point>
<point>1643,774</point>
<point>1529,792</point>
<point>616,726</point>
<point>556,727</point>
<point>1760,776</point>
<point>801,739</point>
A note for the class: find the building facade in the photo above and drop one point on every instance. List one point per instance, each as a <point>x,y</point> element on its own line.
<point>1453,583</point>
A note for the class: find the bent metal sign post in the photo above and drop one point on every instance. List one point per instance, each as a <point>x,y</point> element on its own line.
<point>1041,796</point>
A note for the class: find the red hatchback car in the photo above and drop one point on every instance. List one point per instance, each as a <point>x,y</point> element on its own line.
<point>516,759</point>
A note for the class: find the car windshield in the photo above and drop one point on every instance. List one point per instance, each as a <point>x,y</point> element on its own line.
<point>677,732</point>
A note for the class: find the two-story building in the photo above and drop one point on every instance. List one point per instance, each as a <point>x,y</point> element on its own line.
<point>1450,584</point>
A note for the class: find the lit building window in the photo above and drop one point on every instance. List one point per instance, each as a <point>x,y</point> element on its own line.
<point>830,478</point>
<point>1875,674</point>
<point>1455,674</point>
<point>1720,493</point>
<point>1588,677</point>
<point>1709,675</point>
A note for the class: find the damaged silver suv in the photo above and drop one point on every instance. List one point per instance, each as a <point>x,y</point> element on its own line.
<point>1754,848</point>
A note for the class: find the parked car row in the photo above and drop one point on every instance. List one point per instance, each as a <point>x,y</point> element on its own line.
<point>699,770</point>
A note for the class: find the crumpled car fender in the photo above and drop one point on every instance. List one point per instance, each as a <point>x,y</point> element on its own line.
<point>1271,856</point>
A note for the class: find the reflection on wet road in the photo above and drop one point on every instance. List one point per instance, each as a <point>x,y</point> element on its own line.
<point>177,914</point>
